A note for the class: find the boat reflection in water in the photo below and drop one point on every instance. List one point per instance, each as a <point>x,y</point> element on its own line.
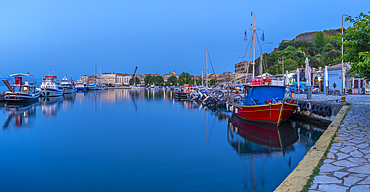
<point>268,153</point>
<point>50,105</point>
<point>261,138</point>
<point>68,100</point>
<point>22,115</point>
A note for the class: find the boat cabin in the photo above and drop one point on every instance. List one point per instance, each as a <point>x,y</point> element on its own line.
<point>263,91</point>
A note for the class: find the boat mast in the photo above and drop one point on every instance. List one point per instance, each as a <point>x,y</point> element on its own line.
<point>95,74</point>
<point>202,78</point>
<point>206,69</point>
<point>254,39</point>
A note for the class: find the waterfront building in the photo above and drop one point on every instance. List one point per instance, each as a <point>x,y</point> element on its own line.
<point>335,76</point>
<point>123,79</point>
<point>167,75</point>
<point>109,78</point>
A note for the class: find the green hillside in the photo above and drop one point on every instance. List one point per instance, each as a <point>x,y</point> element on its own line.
<point>325,49</point>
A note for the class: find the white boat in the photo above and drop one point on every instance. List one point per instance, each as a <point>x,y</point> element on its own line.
<point>22,88</point>
<point>93,86</point>
<point>67,85</point>
<point>50,88</point>
<point>81,85</point>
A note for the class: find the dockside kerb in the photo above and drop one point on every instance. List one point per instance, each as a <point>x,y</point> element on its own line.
<point>298,178</point>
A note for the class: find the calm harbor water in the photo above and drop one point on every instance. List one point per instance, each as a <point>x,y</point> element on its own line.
<point>127,140</point>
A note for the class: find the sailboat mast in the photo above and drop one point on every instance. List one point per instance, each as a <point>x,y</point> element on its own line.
<point>95,74</point>
<point>206,69</point>
<point>202,78</point>
<point>254,41</point>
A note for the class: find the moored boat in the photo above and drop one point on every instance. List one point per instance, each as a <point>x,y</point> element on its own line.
<point>264,102</point>
<point>67,85</point>
<point>50,88</point>
<point>81,85</point>
<point>22,88</point>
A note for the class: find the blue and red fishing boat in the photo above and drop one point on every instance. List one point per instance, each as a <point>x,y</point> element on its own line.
<point>263,102</point>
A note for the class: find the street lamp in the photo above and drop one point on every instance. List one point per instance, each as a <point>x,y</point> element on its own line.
<point>260,68</point>
<point>343,80</point>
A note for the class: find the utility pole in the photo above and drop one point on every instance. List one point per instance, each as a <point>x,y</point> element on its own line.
<point>342,91</point>
<point>283,66</point>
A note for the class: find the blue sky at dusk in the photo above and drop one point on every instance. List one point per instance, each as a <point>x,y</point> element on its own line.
<point>70,37</point>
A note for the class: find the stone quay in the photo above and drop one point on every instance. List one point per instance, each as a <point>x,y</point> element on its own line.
<point>346,166</point>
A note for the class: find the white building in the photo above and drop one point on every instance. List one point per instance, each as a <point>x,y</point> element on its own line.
<point>109,78</point>
<point>123,79</point>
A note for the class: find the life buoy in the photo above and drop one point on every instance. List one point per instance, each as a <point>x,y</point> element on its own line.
<point>303,106</point>
<point>187,91</point>
<point>308,106</point>
<point>52,83</point>
<point>327,111</point>
<point>320,111</point>
<point>314,108</point>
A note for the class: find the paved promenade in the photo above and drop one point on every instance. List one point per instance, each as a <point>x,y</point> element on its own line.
<point>347,165</point>
<point>352,99</point>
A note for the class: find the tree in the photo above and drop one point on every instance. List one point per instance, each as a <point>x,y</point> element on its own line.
<point>184,78</point>
<point>157,80</point>
<point>212,82</point>
<point>137,81</point>
<point>328,47</point>
<point>357,45</point>
<point>319,39</point>
<point>172,80</point>
<point>148,79</point>
<point>199,81</point>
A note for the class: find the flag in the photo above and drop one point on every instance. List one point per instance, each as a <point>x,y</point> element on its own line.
<point>245,36</point>
<point>263,36</point>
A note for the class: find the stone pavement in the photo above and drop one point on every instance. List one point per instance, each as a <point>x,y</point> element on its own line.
<point>347,166</point>
<point>352,99</point>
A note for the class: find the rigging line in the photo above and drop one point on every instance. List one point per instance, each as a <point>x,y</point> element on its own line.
<point>259,44</point>
<point>213,125</point>
<point>246,50</point>
<point>212,66</point>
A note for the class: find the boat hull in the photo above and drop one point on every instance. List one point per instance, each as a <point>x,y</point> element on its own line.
<point>268,113</point>
<point>69,90</point>
<point>51,92</point>
<point>81,88</point>
<point>20,97</point>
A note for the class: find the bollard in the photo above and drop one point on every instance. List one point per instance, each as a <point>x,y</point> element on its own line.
<point>343,98</point>
<point>291,95</point>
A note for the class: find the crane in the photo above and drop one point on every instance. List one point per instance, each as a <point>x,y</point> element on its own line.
<point>133,75</point>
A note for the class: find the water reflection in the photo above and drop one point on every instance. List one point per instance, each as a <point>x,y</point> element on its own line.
<point>268,151</point>
<point>20,116</point>
<point>259,137</point>
<point>236,154</point>
<point>50,105</point>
